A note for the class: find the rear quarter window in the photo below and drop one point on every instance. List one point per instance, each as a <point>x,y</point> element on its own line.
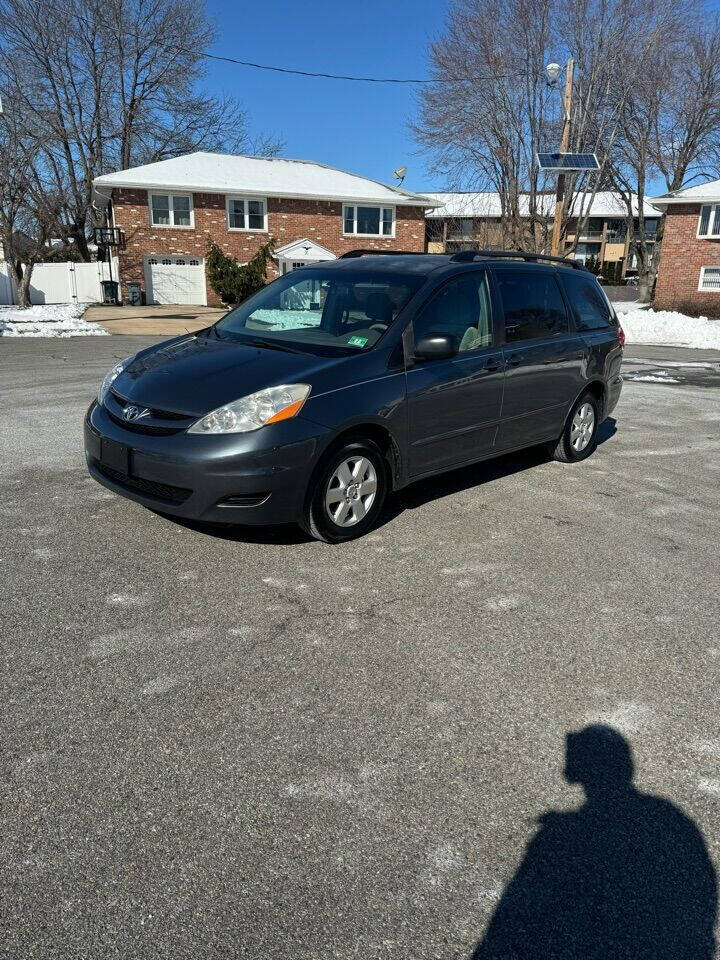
<point>589,304</point>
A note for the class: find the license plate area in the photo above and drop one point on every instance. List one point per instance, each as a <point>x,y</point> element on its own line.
<point>116,456</point>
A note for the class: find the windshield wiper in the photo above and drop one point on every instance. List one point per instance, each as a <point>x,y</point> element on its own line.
<point>271,345</point>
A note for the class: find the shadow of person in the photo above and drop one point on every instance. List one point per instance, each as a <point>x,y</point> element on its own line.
<point>625,877</point>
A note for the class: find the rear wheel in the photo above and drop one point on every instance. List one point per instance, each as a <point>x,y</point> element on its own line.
<point>579,438</point>
<point>347,492</point>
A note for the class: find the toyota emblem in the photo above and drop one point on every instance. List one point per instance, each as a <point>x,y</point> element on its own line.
<point>132,412</point>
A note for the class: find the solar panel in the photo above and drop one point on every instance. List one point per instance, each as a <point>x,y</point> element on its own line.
<point>568,161</point>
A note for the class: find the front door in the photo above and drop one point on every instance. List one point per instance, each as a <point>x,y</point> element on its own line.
<point>289,265</point>
<point>544,356</point>
<point>454,405</point>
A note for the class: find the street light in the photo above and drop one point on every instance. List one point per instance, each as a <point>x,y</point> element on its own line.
<point>553,71</point>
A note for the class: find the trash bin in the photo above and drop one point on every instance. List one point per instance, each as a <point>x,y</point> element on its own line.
<point>134,294</point>
<point>110,291</point>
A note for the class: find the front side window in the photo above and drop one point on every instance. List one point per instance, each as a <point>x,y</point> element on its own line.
<point>171,210</point>
<point>709,223</point>
<point>589,305</point>
<point>461,310</point>
<point>369,221</point>
<point>322,311</point>
<point>710,279</point>
<point>245,213</point>
<point>532,304</point>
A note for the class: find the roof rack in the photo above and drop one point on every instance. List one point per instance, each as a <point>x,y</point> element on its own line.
<point>467,256</point>
<point>363,252</point>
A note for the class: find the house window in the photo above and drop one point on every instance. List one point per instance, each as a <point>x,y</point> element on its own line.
<point>709,222</point>
<point>246,213</point>
<point>171,210</point>
<point>710,279</point>
<point>369,221</point>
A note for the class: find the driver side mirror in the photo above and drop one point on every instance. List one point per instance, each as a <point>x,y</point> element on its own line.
<point>435,347</point>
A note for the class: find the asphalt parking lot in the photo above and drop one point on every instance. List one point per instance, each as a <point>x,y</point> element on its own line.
<point>256,745</point>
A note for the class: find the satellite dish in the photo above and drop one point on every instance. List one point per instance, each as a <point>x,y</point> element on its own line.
<point>400,174</point>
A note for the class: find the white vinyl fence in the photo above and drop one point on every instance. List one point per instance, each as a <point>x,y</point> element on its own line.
<point>61,282</point>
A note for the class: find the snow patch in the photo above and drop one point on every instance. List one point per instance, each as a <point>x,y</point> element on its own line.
<point>653,378</point>
<point>48,320</point>
<point>710,785</point>
<point>668,328</point>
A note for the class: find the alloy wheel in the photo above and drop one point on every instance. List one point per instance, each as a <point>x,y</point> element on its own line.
<point>351,491</point>
<point>582,427</point>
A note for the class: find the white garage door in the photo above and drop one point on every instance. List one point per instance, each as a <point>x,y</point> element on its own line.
<point>170,279</point>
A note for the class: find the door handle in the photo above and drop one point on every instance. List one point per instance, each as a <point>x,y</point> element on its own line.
<point>493,365</point>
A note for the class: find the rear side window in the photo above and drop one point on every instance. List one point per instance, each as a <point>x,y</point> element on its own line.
<point>589,305</point>
<point>532,304</point>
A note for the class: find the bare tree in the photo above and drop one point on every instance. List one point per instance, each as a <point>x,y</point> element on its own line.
<point>108,84</point>
<point>489,110</point>
<point>669,128</point>
<point>28,211</point>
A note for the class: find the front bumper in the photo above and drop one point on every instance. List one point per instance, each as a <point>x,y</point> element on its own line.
<point>254,478</point>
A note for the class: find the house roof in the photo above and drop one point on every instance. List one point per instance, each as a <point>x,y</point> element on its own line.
<point>264,176</point>
<point>487,204</point>
<point>702,193</point>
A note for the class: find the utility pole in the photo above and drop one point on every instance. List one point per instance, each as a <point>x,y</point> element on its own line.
<point>564,148</point>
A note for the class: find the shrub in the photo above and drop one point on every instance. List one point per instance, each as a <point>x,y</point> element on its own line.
<point>234,282</point>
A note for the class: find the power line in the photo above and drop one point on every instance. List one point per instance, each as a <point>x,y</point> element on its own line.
<point>341,76</point>
<point>311,73</point>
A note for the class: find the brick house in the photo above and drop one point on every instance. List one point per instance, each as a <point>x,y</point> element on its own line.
<point>462,220</point>
<point>689,271</point>
<point>170,210</point>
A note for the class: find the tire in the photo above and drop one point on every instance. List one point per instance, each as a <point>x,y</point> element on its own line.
<point>347,492</point>
<point>579,437</point>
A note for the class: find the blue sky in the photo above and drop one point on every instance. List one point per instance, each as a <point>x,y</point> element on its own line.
<point>360,127</point>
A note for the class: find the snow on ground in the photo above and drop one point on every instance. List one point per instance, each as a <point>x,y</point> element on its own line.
<point>659,377</point>
<point>642,324</point>
<point>48,320</point>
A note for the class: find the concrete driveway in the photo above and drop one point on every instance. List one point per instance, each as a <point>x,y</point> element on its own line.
<point>158,321</point>
<point>247,744</point>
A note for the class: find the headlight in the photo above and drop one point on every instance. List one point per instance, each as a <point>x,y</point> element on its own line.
<point>255,411</point>
<point>111,375</point>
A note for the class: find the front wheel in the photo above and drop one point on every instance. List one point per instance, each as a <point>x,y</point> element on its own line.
<point>347,493</point>
<point>579,438</point>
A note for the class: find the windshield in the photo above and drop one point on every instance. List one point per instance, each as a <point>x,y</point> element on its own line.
<point>321,311</point>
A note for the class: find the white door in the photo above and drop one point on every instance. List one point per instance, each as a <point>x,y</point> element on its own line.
<point>289,265</point>
<point>172,279</point>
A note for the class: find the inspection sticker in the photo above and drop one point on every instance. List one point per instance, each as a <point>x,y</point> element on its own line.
<point>357,341</point>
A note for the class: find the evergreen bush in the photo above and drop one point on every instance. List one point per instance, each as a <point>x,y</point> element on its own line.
<point>234,282</point>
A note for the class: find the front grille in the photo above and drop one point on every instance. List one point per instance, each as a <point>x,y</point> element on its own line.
<point>158,414</point>
<point>150,488</point>
<point>139,426</point>
<point>174,422</point>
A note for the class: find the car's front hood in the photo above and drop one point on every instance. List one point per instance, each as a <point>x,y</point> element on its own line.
<point>198,374</point>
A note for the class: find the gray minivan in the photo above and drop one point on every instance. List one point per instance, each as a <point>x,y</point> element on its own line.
<point>342,381</point>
